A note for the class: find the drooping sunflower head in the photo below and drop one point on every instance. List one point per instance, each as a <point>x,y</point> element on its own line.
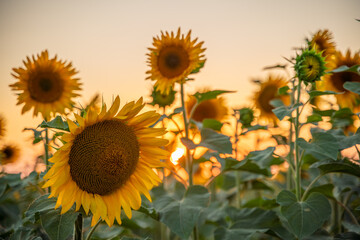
<point>172,58</point>
<point>322,41</point>
<point>246,116</point>
<point>9,154</point>
<point>208,109</point>
<point>2,126</point>
<point>269,91</point>
<point>310,66</point>
<point>107,161</point>
<point>335,81</point>
<point>47,85</point>
<point>162,99</point>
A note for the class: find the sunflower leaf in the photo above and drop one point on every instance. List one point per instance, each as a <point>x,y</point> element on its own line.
<point>281,111</point>
<point>344,68</point>
<point>316,93</point>
<point>304,217</point>
<point>353,87</point>
<point>56,123</point>
<point>196,70</point>
<point>215,141</point>
<point>212,124</point>
<point>344,166</point>
<point>181,215</point>
<point>200,97</point>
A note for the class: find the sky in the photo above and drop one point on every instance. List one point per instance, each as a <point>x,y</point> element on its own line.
<point>107,43</point>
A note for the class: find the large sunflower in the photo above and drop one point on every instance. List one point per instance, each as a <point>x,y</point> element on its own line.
<point>173,58</point>
<point>9,154</point>
<point>47,85</point>
<point>269,91</point>
<point>335,81</point>
<point>322,41</point>
<point>213,109</point>
<point>107,161</point>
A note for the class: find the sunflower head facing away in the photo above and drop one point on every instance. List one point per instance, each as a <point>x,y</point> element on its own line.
<point>162,99</point>
<point>45,84</point>
<point>269,91</point>
<point>9,154</point>
<point>2,126</point>
<point>172,58</point>
<point>246,116</point>
<point>107,161</point>
<point>335,81</point>
<point>322,41</point>
<point>208,109</point>
<point>310,66</point>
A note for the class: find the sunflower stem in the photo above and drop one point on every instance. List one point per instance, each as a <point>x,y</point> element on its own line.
<point>46,150</point>
<point>78,227</point>
<point>88,237</point>
<point>238,182</point>
<point>297,157</point>
<point>289,183</point>
<point>188,162</point>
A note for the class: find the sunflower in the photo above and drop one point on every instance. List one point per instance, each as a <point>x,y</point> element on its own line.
<point>213,109</point>
<point>269,91</point>
<point>45,84</point>
<point>335,81</point>
<point>162,99</point>
<point>322,41</point>
<point>173,58</point>
<point>310,66</point>
<point>9,154</point>
<point>107,161</point>
<point>2,126</point>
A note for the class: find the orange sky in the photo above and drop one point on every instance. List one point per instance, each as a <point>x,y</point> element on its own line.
<point>107,42</point>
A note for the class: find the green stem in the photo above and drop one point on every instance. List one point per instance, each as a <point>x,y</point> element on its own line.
<point>88,237</point>
<point>297,158</point>
<point>46,147</point>
<point>309,187</point>
<point>237,173</point>
<point>188,162</point>
<point>78,227</point>
<point>289,183</point>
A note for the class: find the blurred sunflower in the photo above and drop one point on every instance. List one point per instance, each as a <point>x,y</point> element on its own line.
<point>162,99</point>
<point>47,85</point>
<point>335,81</point>
<point>107,161</point>
<point>322,41</point>
<point>213,108</point>
<point>9,154</point>
<point>173,58</point>
<point>2,126</point>
<point>269,91</point>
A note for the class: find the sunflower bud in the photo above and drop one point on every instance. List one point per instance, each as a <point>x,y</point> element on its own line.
<point>310,66</point>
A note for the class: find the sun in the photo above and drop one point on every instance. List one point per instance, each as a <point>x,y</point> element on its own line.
<point>47,85</point>
<point>107,161</point>
<point>335,81</point>
<point>172,58</point>
<point>269,91</point>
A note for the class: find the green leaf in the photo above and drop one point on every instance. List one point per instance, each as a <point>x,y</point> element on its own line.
<point>304,218</point>
<point>212,124</point>
<point>261,202</point>
<point>314,118</point>
<point>39,206</point>
<point>23,233</point>
<point>249,166</point>
<point>188,143</point>
<point>215,141</point>
<point>353,87</point>
<point>344,68</point>
<point>283,111</point>
<point>253,128</point>
<point>181,215</point>
<point>283,90</point>
<point>345,141</point>
<point>200,97</point>
<point>344,166</point>
<point>323,145</point>
<point>56,123</point>
<point>316,93</point>
<point>58,226</point>
<point>235,234</point>
<point>262,158</point>
<point>325,189</point>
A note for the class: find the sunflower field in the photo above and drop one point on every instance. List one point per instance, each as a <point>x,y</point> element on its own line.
<point>187,165</point>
